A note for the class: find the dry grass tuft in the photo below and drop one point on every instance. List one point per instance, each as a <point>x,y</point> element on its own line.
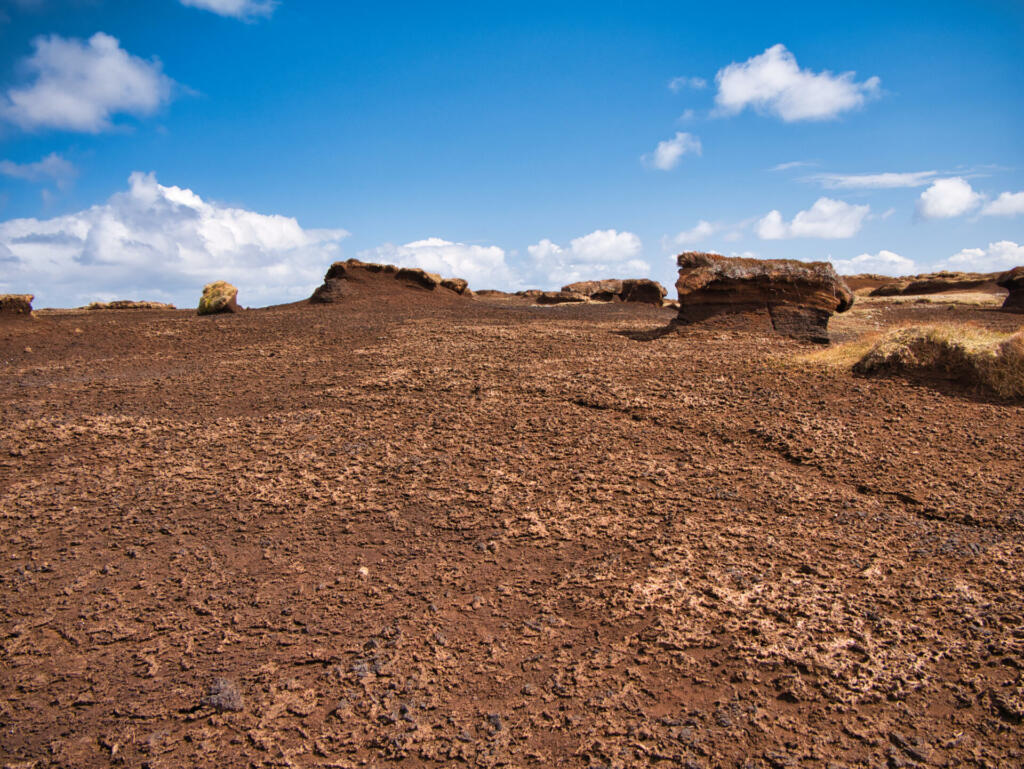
<point>841,355</point>
<point>965,353</point>
<point>961,352</point>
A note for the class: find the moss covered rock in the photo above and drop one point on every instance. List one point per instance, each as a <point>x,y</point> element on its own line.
<point>219,296</point>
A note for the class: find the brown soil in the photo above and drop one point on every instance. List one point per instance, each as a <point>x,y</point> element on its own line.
<point>412,529</point>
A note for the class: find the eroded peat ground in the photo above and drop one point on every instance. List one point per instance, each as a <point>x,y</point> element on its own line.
<point>413,532</point>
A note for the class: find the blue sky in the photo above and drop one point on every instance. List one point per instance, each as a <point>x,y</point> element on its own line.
<point>146,152</point>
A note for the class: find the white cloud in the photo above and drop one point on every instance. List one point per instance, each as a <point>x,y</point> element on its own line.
<point>677,84</point>
<point>883,181</point>
<point>948,197</point>
<point>884,262</point>
<point>52,167</point>
<point>162,243</point>
<point>773,83</point>
<point>697,233</point>
<point>482,266</point>
<point>80,85</point>
<point>601,254</point>
<point>1007,204</point>
<point>827,218</point>
<point>669,152</point>
<point>606,246</point>
<point>792,164</point>
<point>240,9</point>
<point>1001,255</point>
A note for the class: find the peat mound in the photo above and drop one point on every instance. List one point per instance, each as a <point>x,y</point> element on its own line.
<point>615,289</point>
<point>599,290</point>
<point>963,354</point>
<point>557,297</point>
<point>354,276</point>
<point>1013,281</point>
<point>16,305</point>
<point>936,283</point>
<point>784,296</point>
<point>128,304</point>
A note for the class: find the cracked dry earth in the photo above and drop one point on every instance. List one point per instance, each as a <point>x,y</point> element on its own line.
<point>411,530</point>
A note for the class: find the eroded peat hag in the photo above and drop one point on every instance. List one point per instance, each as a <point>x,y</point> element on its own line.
<point>414,529</point>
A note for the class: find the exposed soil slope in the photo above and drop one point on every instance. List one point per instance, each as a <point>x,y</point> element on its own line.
<point>411,529</point>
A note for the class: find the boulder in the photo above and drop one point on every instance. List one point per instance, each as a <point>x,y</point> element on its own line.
<point>781,295</point>
<point>218,297</point>
<point>16,304</point>
<point>1013,281</point>
<point>598,290</point>
<point>418,277</point>
<point>643,290</point>
<point>559,297</point>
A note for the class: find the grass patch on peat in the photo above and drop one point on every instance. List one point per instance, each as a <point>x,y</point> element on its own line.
<point>960,352</point>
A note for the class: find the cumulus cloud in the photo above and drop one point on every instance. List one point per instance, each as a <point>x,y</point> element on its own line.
<point>883,181</point>
<point>162,243</point>
<point>1007,204</point>
<point>884,262</point>
<point>1001,255</point>
<point>668,153</point>
<point>678,84</point>
<point>51,168</point>
<point>240,9</point>
<point>700,231</point>
<point>482,266</point>
<point>601,254</point>
<point>946,198</point>
<point>827,218</point>
<point>773,83</point>
<point>78,85</point>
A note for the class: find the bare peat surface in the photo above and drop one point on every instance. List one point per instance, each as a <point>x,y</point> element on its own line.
<point>421,530</point>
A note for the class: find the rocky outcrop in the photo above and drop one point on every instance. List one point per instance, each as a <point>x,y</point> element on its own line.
<point>781,295</point>
<point>418,277</point>
<point>559,297</point>
<point>386,269</point>
<point>14,305</point>
<point>935,283</point>
<point>342,277</point>
<point>128,304</point>
<point>458,285</point>
<point>613,289</point>
<point>643,290</point>
<point>1013,281</point>
<point>218,297</point>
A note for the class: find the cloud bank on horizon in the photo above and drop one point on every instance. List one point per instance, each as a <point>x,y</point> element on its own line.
<point>72,98</point>
<point>163,243</point>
